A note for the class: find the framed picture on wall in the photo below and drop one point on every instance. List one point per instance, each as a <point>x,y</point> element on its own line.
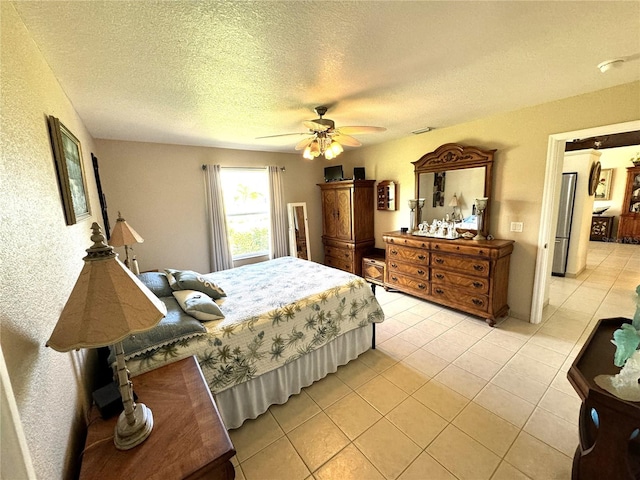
<point>603,189</point>
<point>67,154</point>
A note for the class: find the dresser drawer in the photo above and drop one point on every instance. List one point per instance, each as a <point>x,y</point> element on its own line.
<point>339,253</point>
<point>408,242</point>
<point>474,266</point>
<point>405,282</point>
<point>407,254</point>
<point>341,263</point>
<point>454,247</point>
<point>418,271</point>
<point>373,270</point>
<point>473,285</point>
<point>455,296</point>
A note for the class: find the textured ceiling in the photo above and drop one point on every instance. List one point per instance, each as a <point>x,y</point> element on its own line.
<point>223,73</point>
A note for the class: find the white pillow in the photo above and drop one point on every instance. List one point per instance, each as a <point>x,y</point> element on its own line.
<point>199,305</point>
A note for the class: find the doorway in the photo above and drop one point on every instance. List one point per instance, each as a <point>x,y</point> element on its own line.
<point>550,199</point>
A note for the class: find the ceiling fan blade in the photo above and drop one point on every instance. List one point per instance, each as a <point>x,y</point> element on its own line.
<point>346,140</point>
<point>304,143</point>
<point>353,130</point>
<point>316,127</point>
<point>283,135</point>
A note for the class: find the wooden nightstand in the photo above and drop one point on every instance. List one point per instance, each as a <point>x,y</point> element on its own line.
<point>188,439</point>
<point>373,268</point>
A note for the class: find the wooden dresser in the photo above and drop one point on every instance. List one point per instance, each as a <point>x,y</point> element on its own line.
<point>347,223</point>
<point>468,275</point>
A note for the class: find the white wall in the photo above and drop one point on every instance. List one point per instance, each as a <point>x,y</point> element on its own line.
<point>40,255</point>
<point>159,190</point>
<point>580,162</point>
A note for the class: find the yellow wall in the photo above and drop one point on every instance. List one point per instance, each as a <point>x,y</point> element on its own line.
<point>40,255</point>
<point>521,140</point>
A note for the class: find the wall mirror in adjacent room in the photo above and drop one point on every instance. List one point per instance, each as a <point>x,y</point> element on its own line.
<point>450,179</point>
<point>298,231</point>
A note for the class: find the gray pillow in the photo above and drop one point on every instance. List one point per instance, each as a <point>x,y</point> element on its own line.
<point>156,282</point>
<point>174,327</point>
<point>190,280</point>
<point>198,305</point>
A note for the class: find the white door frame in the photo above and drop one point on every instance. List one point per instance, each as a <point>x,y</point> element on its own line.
<point>555,159</point>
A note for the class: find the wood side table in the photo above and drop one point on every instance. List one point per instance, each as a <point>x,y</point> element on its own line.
<point>188,440</point>
<point>606,449</point>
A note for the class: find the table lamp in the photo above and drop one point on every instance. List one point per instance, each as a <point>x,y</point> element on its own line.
<point>107,304</point>
<point>123,236</point>
<point>454,203</point>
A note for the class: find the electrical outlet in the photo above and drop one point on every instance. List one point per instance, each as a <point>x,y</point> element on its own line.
<point>517,226</point>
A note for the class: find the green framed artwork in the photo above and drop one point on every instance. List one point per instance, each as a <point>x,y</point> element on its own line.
<point>67,154</point>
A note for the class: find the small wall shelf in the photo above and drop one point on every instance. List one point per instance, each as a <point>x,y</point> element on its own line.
<point>387,195</point>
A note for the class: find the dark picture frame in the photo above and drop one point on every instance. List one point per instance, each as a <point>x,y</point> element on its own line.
<point>67,153</point>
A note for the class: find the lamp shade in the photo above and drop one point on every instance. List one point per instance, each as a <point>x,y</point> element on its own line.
<point>123,234</point>
<point>107,304</point>
<point>454,201</point>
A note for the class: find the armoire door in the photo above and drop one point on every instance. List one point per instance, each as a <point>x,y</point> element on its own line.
<point>344,226</point>
<point>329,213</point>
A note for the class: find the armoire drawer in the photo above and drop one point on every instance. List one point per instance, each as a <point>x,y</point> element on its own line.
<point>474,266</point>
<point>456,296</point>
<point>339,253</point>
<point>404,282</point>
<point>342,264</point>
<point>407,254</point>
<point>473,285</point>
<point>418,271</point>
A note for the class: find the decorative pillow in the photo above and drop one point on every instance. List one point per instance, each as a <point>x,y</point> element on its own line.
<point>189,280</point>
<point>198,305</point>
<point>174,327</point>
<point>157,282</point>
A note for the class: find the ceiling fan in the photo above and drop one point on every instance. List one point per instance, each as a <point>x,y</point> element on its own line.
<point>323,138</point>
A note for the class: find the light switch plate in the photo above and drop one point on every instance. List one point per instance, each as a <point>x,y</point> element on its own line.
<point>517,226</point>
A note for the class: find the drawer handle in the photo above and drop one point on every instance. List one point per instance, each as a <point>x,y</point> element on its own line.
<point>346,254</point>
<point>394,265</point>
<point>422,286</point>
<point>439,291</point>
<point>478,268</point>
<point>439,276</point>
<point>394,278</point>
<point>481,252</point>
<point>458,247</point>
<point>423,245</point>
<point>420,272</point>
<point>421,257</point>
<point>439,260</point>
<point>478,284</point>
<point>437,247</point>
<point>478,302</point>
<point>394,252</point>
<point>391,240</point>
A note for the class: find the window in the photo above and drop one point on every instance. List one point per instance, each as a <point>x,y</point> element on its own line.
<point>246,200</point>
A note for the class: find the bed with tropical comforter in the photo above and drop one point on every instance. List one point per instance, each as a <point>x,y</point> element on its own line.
<point>282,318</point>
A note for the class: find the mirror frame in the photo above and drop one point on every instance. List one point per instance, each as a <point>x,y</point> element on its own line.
<point>293,250</point>
<point>453,156</point>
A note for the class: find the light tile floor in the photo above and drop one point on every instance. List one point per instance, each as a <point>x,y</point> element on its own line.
<point>445,396</point>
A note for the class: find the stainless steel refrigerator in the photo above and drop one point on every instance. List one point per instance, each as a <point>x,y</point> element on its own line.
<point>563,228</point>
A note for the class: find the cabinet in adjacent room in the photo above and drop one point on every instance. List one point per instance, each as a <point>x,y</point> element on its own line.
<point>629,225</point>
<point>347,223</point>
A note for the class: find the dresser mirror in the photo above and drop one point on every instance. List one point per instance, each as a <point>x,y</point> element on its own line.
<point>298,230</point>
<point>450,179</point>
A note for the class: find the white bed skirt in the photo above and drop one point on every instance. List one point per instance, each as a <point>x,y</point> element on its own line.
<point>252,398</point>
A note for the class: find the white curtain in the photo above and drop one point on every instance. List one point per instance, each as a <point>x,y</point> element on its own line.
<point>220,257</point>
<point>279,231</point>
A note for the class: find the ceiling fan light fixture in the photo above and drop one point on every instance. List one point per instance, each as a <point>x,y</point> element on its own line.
<point>307,153</point>
<point>336,148</point>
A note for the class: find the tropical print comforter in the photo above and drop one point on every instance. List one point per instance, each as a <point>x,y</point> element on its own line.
<point>275,312</point>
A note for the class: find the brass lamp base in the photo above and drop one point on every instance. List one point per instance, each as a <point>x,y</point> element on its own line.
<point>128,436</point>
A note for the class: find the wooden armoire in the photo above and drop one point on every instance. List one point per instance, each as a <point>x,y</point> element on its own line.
<point>629,226</point>
<point>347,223</point>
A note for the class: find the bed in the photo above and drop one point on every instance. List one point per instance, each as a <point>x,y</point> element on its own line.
<point>287,323</point>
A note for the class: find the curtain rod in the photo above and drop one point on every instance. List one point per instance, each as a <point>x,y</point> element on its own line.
<point>204,167</point>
